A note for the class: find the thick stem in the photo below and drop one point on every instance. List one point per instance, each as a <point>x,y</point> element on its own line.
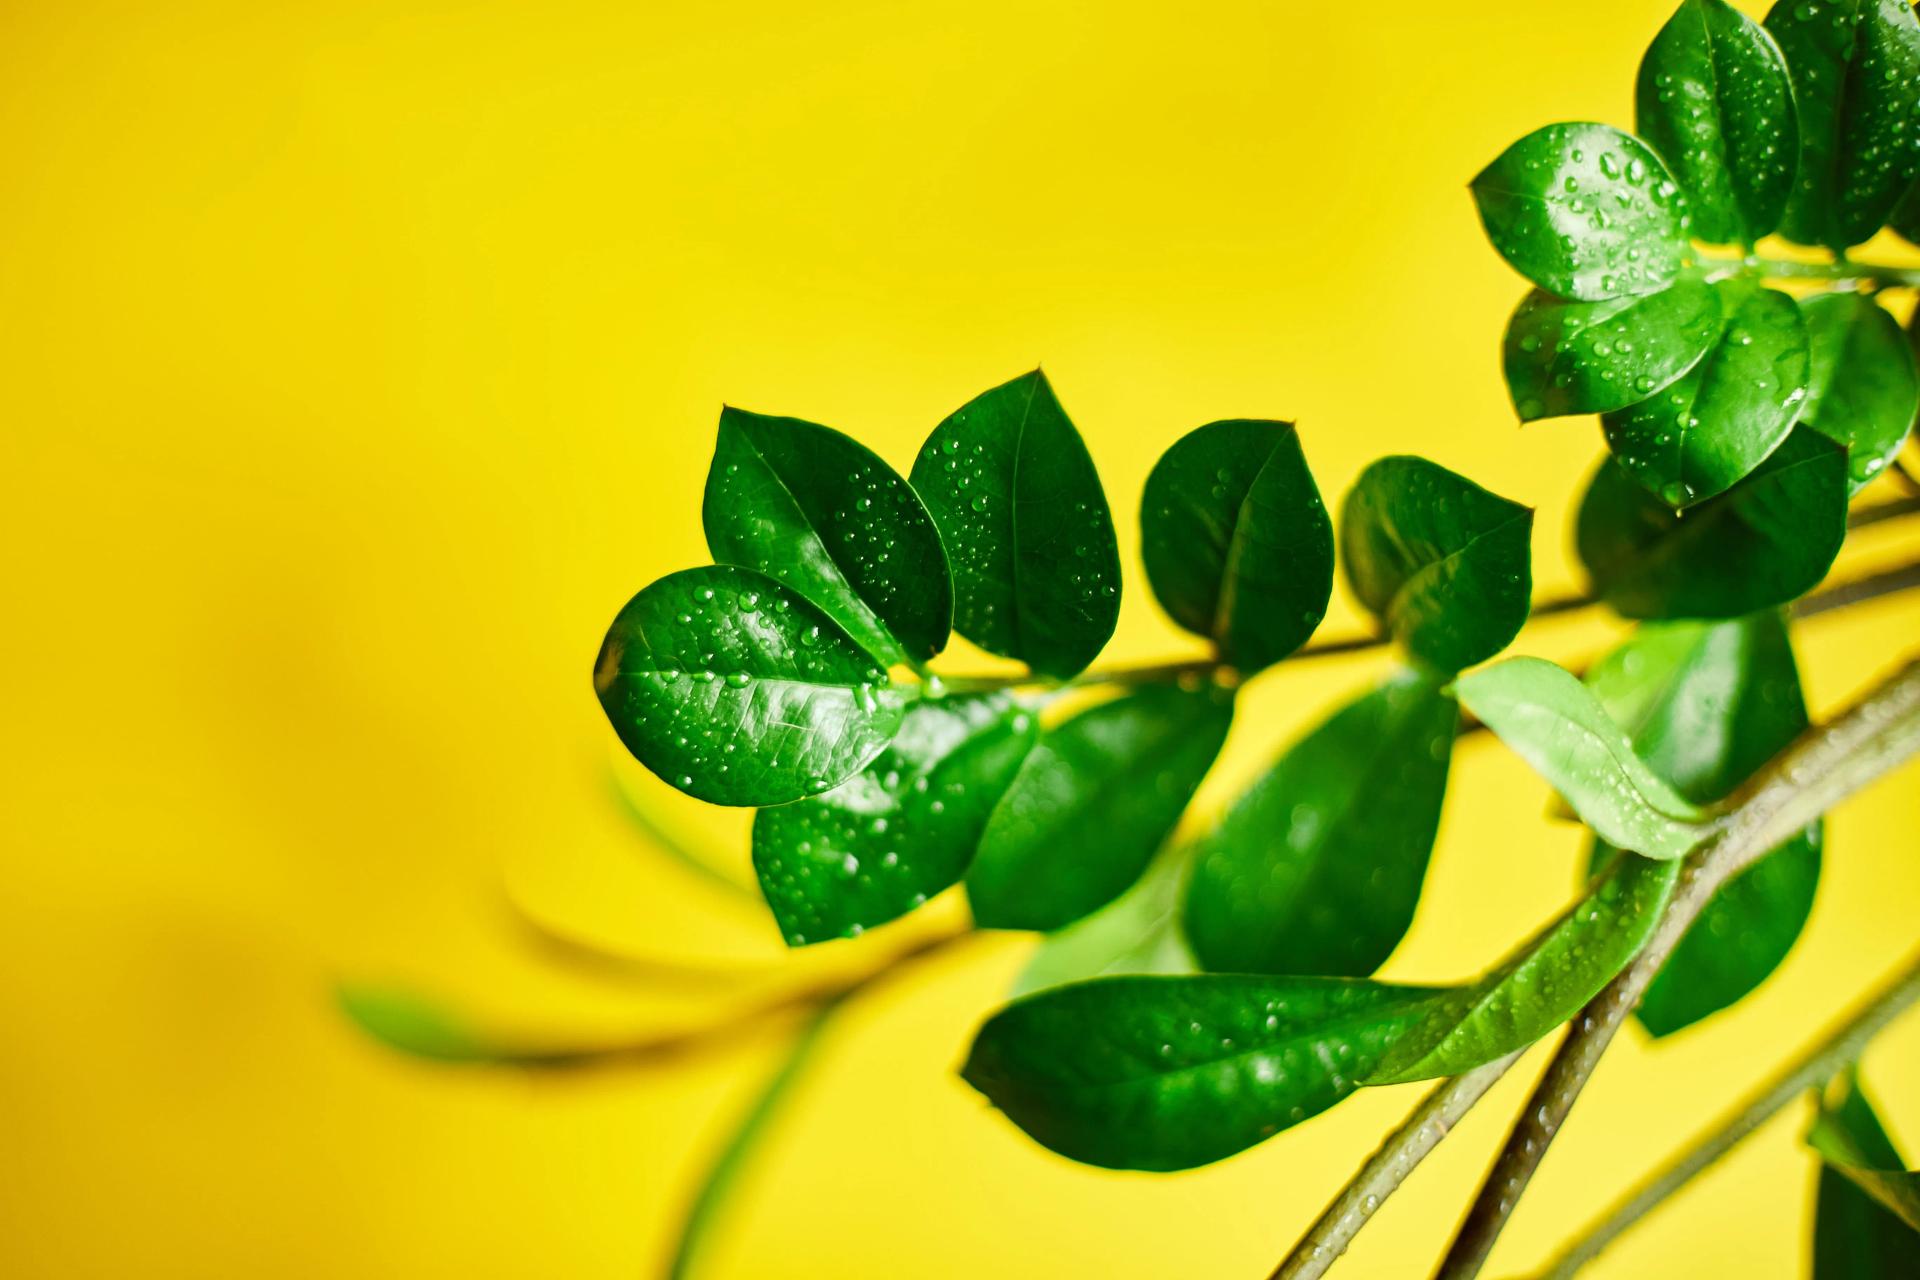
<point>1828,1055</point>
<point>1842,271</point>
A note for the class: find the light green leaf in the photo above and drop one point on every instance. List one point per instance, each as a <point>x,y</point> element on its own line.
<point>1591,357</point>
<point>1138,932</point>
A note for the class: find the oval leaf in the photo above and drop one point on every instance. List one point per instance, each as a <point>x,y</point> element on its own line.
<point>1591,357</point>
<point>1036,570</point>
<point>899,831</point>
<point>819,511</point>
<point>1556,725</point>
<point>1764,542</point>
<point>1236,541</point>
<point>1715,101</point>
<point>1856,82</point>
<point>1856,1235</point>
<point>739,691</point>
<point>1720,420</point>
<point>1138,932</point>
<point>1317,868</point>
<point>1852,1142</point>
<point>1444,563</point>
<point>1171,1072</point>
<point>1094,801</point>
<point>1584,211</point>
<point>1862,389</point>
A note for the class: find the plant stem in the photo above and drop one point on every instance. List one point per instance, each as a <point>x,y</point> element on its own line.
<point>1829,1054</point>
<point>1844,270</point>
<point>1823,766</point>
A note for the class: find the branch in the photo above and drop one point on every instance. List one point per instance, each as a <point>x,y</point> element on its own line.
<point>1829,1054</point>
<point>1845,271</point>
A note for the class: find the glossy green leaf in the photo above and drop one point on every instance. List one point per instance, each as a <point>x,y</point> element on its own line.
<point>1556,725</point>
<point>1720,420</point>
<point>1855,1235</point>
<point>1707,704</point>
<point>1849,1138</point>
<point>1591,357</point>
<point>1318,867</point>
<point>898,832</point>
<point>1171,1072</point>
<point>1236,541</point>
<point>1715,101</point>
<point>1445,564</point>
<point>1584,211</point>
<point>1862,391</point>
<point>820,512</point>
<point>1095,800</point>
<point>1036,570</point>
<point>739,691</point>
<point>1764,542</point>
<point>1544,983</point>
<point>1138,932</point>
<point>1856,83</point>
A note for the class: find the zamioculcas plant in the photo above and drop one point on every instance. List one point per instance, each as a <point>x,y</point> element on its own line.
<point>1191,999</point>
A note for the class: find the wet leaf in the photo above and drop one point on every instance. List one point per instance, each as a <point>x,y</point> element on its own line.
<point>1863,392</point>
<point>1236,541</point>
<point>739,691</point>
<point>1590,357</point>
<point>1859,1156</point>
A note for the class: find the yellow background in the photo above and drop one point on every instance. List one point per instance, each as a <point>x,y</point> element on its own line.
<point>357,361</point>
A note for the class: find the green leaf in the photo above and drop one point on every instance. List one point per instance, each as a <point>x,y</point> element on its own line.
<point>1444,563</point>
<point>819,511</point>
<point>1853,1144</point>
<point>1720,420</point>
<point>1171,1072</point>
<point>1318,867</point>
<point>1856,82</point>
<point>1138,932</point>
<point>1036,570</point>
<point>739,691</point>
<point>1556,725</point>
<point>1715,101</point>
<point>1591,357</point>
<point>1863,392</point>
<point>1236,541</point>
<point>1584,211</point>
<point>898,832</point>
<point>1707,705</point>
<point>1096,798</point>
<point>1543,984</point>
<point>410,1023</point>
<point>1764,542</point>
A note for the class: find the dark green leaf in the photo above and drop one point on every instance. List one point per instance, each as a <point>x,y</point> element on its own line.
<point>1590,357</point>
<point>1707,705</point>
<point>1236,541</point>
<point>1856,82</point>
<point>1138,932</point>
<point>819,511</point>
<point>1172,1072</point>
<point>1852,1142</point>
<point>1863,391</point>
<point>1720,420</point>
<point>1855,1237</point>
<point>899,831</point>
<point>1766,541</point>
<point>1318,867</point>
<point>1584,211</point>
<point>1541,985</point>
<point>1092,804</point>
<point>1556,725</point>
<point>739,691</point>
<point>1444,563</point>
<point>1715,101</point>
<point>1036,571</point>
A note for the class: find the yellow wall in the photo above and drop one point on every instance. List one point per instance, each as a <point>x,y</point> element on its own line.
<point>357,360</point>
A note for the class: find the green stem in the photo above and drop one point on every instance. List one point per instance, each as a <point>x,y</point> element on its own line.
<point>1844,270</point>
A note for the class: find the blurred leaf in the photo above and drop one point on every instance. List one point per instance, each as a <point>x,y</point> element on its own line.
<point>1236,541</point>
<point>898,832</point>
<point>643,797</point>
<point>1318,867</point>
<point>739,691</point>
<point>819,511</point>
<point>1036,570</point>
<point>1095,800</point>
<point>1766,541</point>
<point>1556,725</point>
<point>1135,933</point>
<point>1853,1144</point>
<point>1720,420</point>
<point>1565,357</point>
<point>1584,211</point>
<point>1171,1072</point>
<point>410,1023</point>
<point>1715,101</point>
<point>1444,563</point>
<point>1863,389</point>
